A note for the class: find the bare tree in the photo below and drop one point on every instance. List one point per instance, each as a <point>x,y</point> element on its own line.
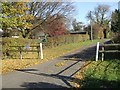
<point>99,15</point>
<point>44,10</point>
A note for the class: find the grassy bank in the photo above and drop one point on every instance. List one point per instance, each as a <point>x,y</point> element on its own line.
<point>100,74</point>
<point>29,59</point>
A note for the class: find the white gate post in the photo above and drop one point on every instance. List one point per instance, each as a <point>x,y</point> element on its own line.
<point>41,50</point>
<point>97,51</point>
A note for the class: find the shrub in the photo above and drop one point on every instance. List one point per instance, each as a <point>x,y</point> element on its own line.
<point>64,39</point>
<point>116,38</point>
<point>51,42</point>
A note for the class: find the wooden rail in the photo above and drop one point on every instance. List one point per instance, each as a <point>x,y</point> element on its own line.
<point>20,49</point>
<point>103,51</point>
<point>110,45</point>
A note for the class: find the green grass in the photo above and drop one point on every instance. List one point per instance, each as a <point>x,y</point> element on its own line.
<point>101,74</point>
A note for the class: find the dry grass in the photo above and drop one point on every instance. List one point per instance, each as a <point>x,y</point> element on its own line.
<point>11,65</point>
<point>59,64</point>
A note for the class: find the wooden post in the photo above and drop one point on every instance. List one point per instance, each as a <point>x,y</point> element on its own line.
<point>20,49</point>
<point>97,51</point>
<point>91,27</point>
<point>20,54</point>
<point>38,54</point>
<point>41,51</point>
<point>102,53</point>
<point>38,48</point>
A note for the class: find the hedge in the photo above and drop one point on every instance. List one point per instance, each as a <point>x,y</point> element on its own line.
<point>66,39</point>
<point>8,42</point>
<point>116,38</point>
<point>51,42</point>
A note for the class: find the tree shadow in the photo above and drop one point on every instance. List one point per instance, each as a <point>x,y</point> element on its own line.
<point>83,55</point>
<point>65,79</point>
<point>27,69</point>
<point>112,56</point>
<point>24,58</point>
<point>100,83</point>
<point>35,85</point>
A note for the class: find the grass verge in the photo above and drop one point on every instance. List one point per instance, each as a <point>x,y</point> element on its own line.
<point>100,74</point>
<point>9,65</point>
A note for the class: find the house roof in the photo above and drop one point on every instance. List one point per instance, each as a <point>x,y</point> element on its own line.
<point>78,32</point>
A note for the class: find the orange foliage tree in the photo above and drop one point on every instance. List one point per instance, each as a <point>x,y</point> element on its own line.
<point>55,26</point>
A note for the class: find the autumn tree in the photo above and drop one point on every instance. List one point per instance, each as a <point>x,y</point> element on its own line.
<point>97,31</point>
<point>55,26</point>
<point>14,15</point>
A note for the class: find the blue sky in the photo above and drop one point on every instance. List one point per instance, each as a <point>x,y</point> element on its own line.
<point>82,8</point>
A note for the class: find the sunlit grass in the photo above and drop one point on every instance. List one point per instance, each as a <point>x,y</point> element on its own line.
<point>100,74</point>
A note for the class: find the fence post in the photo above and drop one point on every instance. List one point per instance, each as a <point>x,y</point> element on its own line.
<point>20,54</point>
<point>97,51</point>
<point>38,53</point>
<point>41,50</point>
<point>102,52</point>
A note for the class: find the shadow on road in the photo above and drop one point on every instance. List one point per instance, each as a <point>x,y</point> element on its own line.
<point>40,85</point>
<point>25,70</point>
<point>80,56</point>
<point>83,55</point>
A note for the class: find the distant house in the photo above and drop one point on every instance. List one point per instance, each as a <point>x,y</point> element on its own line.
<point>37,34</point>
<point>1,31</point>
<point>15,36</point>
